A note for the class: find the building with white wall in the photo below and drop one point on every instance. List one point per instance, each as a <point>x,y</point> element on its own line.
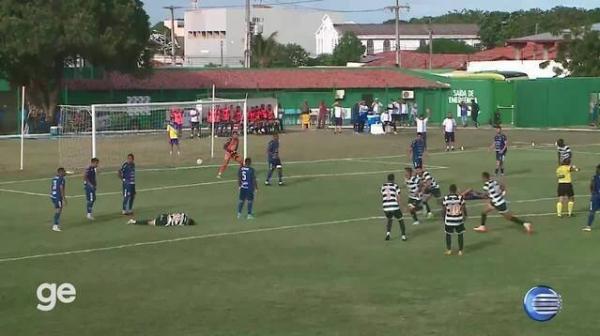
<point>217,35</point>
<point>179,26</point>
<point>379,38</point>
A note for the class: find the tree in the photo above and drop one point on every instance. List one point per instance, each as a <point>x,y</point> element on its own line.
<point>446,46</point>
<point>349,49</point>
<point>580,53</point>
<point>264,51</point>
<point>291,55</point>
<point>38,37</point>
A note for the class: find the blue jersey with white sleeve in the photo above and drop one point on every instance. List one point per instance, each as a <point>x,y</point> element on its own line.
<point>128,173</point>
<point>418,148</point>
<point>247,178</point>
<point>55,188</point>
<point>90,177</point>
<point>273,149</point>
<point>500,143</point>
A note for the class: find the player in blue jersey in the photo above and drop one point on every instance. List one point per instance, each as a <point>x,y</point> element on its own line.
<point>595,200</point>
<point>274,160</point>
<point>127,176</point>
<point>58,196</point>
<point>248,187</point>
<point>500,146</point>
<point>90,185</point>
<point>416,151</point>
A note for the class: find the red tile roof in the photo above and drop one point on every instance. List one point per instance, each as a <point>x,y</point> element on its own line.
<point>319,78</point>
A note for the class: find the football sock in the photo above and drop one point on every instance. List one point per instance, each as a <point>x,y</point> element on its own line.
<point>56,218</point>
<point>559,208</point>
<point>388,225</point>
<point>570,206</point>
<point>448,241</point>
<point>461,241</point>
<point>250,203</point>
<point>402,227</point>
<point>427,207</point>
<point>280,174</point>
<point>502,170</point>
<point>131,198</point>
<point>496,171</point>
<point>483,219</point>
<point>414,216</point>
<point>517,220</point>
<point>240,206</point>
<point>269,174</point>
<point>591,218</point>
<point>90,205</point>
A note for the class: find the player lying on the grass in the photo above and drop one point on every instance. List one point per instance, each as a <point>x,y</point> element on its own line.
<point>58,196</point>
<point>454,212</point>
<point>390,193</point>
<point>595,199</point>
<point>248,187</point>
<point>565,192</point>
<point>173,136</point>
<point>563,151</point>
<point>274,160</point>
<point>429,188</point>
<point>231,148</point>
<point>416,151</point>
<point>171,219</point>
<point>413,183</point>
<point>495,194</point>
<point>500,146</point>
<point>89,186</point>
<point>127,176</point>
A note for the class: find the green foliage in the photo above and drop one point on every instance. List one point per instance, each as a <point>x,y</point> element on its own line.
<point>264,50</point>
<point>161,28</point>
<point>580,54</point>
<point>292,55</point>
<point>447,46</point>
<point>39,36</point>
<point>349,49</point>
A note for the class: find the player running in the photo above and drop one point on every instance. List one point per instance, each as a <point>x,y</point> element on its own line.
<point>429,188</point>
<point>413,183</point>
<point>248,186</point>
<point>495,193</point>
<point>231,148</point>
<point>90,185</point>
<point>454,212</point>
<point>58,196</point>
<point>500,146</point>
<point>390,193</point>
<point>171,219</point>
<point>416,151</point>
<point>595,200</point>
<point>565,188</point>
<point>173,135</point>
<point>127,176</point>
<point>274,160</point>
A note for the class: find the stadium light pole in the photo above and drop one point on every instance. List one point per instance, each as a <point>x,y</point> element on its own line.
<point>172,10</point>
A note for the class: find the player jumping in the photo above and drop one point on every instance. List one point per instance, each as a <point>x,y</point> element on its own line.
<point>231,148</point>
<point>495,193</point>
<point>248,186</point>
<point>58,196</point>
<point>500,146</point>
<point>413,183</point>
<point>171,219</point>
<point>390,193</point>
<point>565,191</point>
<point>595,200</point>
<point>274,160</point>
<point>90,185</point>
<point>454,212</point>
<point>127,176</point>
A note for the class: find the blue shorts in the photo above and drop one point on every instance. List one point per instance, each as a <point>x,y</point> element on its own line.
<point>418,162</point>
<point>174,141</point>
<point>275,163</point>
<point>90,193</point>
<point>246,195</point>
<point>500,156</point>
<point>57,202</point>
<point>595,204</point>
<point>128,189</point>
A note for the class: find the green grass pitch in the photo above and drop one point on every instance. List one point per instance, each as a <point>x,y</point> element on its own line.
<point>314,261</point>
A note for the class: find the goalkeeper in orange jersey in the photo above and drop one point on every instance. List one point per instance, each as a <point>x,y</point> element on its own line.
<point>230,147</point>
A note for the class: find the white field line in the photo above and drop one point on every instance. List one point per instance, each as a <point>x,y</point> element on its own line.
<point>218,235</point>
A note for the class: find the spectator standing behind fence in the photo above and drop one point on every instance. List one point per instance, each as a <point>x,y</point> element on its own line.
<point>363,112</point>
<point>338,116</point>
<point>376,106</point>
<point>414,113</point>
<point>474,112</point>
<point>322,115</point>
<point>464,112</point>
<point>395,115</point>
<point>305,115</point>
<point>386,118</point>
<point>422,125</point>
<point>195,121</point>
<point>404,119</point>
<point>354,116</point>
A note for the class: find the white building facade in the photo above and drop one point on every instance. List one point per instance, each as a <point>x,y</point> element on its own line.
<point>382,37</point>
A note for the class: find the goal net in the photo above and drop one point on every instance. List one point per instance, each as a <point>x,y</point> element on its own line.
<point>111,131</point>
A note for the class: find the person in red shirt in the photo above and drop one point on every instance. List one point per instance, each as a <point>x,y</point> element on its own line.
<point>238,119</point>
<point>225,122</point>
<point>264,119</point>
<point>231,148</point>
<point>176,116</point>
<point>273,124</point>
<point>213,117</point>
<point>253,120</point>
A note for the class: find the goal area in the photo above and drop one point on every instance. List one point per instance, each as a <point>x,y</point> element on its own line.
<point>111,131</point>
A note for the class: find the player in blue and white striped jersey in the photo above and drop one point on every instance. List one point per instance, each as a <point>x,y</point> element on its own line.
<point>564,152</point>
<point>390,194</point>
<point>454,212</point>
<point>413,184</point>
<point>495,194</point>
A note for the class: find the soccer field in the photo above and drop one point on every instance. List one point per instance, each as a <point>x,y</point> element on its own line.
<point>314,261</point>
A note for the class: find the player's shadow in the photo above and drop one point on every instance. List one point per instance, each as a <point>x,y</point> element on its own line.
<point>278,210</point>
<point>423,228</point>
<point>484,244</point>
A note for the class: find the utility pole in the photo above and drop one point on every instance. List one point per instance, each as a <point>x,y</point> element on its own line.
<point>173,56</point>
<point>222,54</point>
<point>396,10</point>
<point>248,46</point>
<point>430,44</point>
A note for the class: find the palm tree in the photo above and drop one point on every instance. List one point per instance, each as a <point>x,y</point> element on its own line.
<point>264,50</point>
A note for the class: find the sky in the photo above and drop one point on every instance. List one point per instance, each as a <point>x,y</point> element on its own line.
<point>419,8</point>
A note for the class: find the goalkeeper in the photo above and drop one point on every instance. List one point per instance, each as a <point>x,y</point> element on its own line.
<point>172,219</point>
<point>231,148</point>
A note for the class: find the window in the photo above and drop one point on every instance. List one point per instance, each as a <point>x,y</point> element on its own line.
<point>370,47</point>
<point>386,45</point>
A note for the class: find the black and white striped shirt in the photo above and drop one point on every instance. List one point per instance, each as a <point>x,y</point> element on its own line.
<point>494,192</point>
<point>389,195</point>
<point>453,204</point>
<point>413,187</point>
<point>432,182</point>
<point>564,153</point>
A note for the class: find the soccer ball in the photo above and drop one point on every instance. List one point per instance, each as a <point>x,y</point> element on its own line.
<point>199,161</point>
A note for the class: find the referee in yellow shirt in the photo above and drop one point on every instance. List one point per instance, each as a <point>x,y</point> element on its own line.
<point>565,187</point>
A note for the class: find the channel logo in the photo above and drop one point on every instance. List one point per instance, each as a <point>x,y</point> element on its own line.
<point>542,303</point>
